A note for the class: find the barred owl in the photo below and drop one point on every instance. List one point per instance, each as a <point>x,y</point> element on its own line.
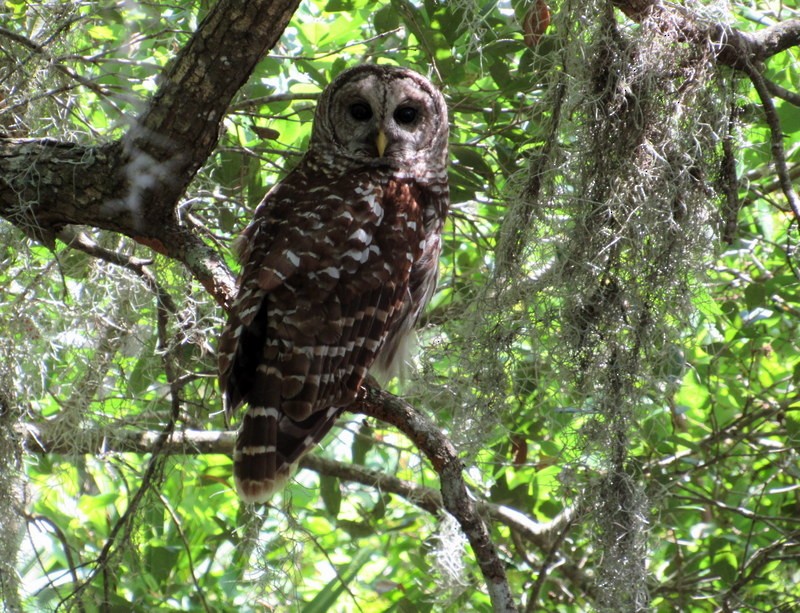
<point>338,264</point>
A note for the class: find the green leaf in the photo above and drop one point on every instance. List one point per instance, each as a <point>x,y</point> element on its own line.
<point>100,32</point>
<point>754,295</point>
<point>386,19</point>
<point>725,568</point>
<point>362,443</point>
<point>161,561</point>
<point>331,494</point>
<point>327,597</point>
<point>471,158</point>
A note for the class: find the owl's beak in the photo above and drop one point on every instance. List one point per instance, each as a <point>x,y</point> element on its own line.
<point>381,142</point>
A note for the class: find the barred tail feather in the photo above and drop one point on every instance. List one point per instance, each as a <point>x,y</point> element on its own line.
<point>269,446</point>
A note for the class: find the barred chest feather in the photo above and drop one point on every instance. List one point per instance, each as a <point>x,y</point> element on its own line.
<point>331,286</point>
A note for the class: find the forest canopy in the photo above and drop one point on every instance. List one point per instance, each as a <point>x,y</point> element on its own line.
<point>602,410</point>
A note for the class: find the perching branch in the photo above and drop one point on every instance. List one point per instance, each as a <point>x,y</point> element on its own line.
<point>453,497</point>
<point>431,441</point>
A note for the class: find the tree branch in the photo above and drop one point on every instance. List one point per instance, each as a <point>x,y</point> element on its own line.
<point>734,47</point>
<point>781,92</point>
<point>776,140</point>
<point>197,442</point>
<point>82,242</point>
<point>776,38</point>
<point>739,50</point>
<point>133,186</point>
<point>430,500</point>
<point>177,133</point>
<point>440,451</point>
<point>454,497</point>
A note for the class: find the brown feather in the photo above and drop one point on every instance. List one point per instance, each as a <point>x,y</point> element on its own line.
<point>338,263</point>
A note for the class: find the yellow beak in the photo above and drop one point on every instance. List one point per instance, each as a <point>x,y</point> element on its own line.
<point>380,142</point>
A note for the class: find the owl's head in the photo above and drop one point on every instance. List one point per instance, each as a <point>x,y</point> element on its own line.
<point>383,115</point>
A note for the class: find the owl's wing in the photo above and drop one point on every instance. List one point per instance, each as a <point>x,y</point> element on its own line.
<point>301,255</point>
<point>326,278</point>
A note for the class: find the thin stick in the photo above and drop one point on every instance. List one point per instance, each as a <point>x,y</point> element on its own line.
<point>776,138</point>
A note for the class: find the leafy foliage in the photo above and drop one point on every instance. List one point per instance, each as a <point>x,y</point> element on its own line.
<point>708,416</point>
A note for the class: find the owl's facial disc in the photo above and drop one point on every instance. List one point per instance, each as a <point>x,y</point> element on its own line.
<point>383,121</point>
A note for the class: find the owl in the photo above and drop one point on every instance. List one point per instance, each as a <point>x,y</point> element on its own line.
<point>337,266</point>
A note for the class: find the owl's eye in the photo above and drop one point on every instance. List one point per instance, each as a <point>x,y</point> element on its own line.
<point>360,111</point>
<point>405,114</point>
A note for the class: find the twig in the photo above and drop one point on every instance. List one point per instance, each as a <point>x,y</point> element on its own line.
<point>21,40</point>
<point>82,242</point>
<point>177,521</point>
<point>782,92</point>
<point>546,564</point>
<point>696,497</point>
<point>776,138</point>
<point>125,522</point>
<point>430,500</point>
<point>343,581</point>
<point>55,62</point>
<point>62,538</point>
<point>751,569</point>
<point>337,51</point>
<point>263,100</point>
<point>729,184</point>
<point>763,191</point>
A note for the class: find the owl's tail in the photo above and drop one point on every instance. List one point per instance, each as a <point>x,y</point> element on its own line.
<point>269,446</point>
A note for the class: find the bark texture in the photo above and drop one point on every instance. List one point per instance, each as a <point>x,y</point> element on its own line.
<point>133,186</point>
